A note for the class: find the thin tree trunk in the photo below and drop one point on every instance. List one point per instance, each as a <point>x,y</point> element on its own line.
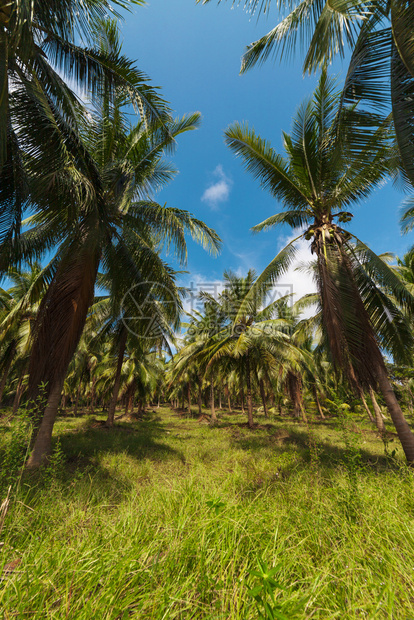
<point>404,432</point>
<point>220,403</point>
<point>93,392</point>
<point>75,411</point>
<point>112,407</point>
<point>302,409</point>
<point>263,396</point>
<point>131,395</point>
<point>378,416</point>
<point>318,404</point>
<point>200,409</point>
<point>242,399</point>
<point>228,397</point>
<point>43,441</point>
<point>141,409</point>
<point>365,404</point>
<point>249,394</point>
<point>295,392</point>
<point>213,419</point>
<point>189,398</point>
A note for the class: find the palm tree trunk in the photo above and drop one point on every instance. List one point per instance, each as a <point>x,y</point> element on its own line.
<point>92,400</point>
<point>378,416</point>
<point>213,419</point>
<point>303,411</point>
<point>318,404</point>
<point>189,398</point>
<point>365,404</point>
<point>200,410</point>
<point>112,407</point>
<point>250,421</point>
<point>263,395</point>
<point>294,385</point>
<point>404,432</point>
<point>43,440</point>
<point>130,401</point>
<point>228,398</point>
<point>242,399</point>
<point>60,322</point>
<point>75,411</point>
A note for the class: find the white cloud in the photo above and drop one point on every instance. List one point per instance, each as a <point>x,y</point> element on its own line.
<point>195,283</point>
<point>219,191</point>
<point>301,281</point>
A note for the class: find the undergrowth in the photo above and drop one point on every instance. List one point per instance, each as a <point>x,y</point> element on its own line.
<point>166,518</point>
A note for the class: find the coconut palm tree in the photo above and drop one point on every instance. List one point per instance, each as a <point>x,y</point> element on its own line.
<point>20,305</point>
<point>250,339</point>
<point>379,35</point>
<point>333,158</point>
<point>107,218</point>
<point>44,46</point>
<point>108,313</point>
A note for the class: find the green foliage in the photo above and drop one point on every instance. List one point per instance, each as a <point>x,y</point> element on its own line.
<point>264,592</point>
<point>16,450</point>
<point>55,465</point>
<point>17,447</point>
<point>215,505</point>
<point>352,460</point>
<point>129,529</point>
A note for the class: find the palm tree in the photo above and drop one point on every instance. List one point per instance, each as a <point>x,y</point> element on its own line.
<point>107,217</point>
<point>41,41</point>
<point>335,156</point>
<point>250,339</point>
<point>20,306</point>
<point>122,336</point>
<point>379,34</point>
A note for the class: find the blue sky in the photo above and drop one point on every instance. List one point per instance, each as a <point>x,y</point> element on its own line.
<point>193,53</point>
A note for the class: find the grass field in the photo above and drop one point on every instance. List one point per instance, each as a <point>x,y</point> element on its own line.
<point>168,518</point>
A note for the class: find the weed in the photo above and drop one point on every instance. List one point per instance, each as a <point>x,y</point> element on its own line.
<point>265,591</point>
<point>17,449</point>
<point>215,505</point>
<point>127,531</point>
<point>352,461</point>
<point>54,467</point>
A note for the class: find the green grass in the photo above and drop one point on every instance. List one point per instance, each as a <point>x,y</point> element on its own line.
<point>166,518</point>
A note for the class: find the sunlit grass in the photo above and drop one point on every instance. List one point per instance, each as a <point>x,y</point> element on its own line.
<point>166,517</point>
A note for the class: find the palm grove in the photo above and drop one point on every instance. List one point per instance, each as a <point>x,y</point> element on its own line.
<point>80,228</point>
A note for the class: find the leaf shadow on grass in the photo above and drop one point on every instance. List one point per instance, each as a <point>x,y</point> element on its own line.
<point>141,440</point>
<point>297,441</point>
<point>86,447</point>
